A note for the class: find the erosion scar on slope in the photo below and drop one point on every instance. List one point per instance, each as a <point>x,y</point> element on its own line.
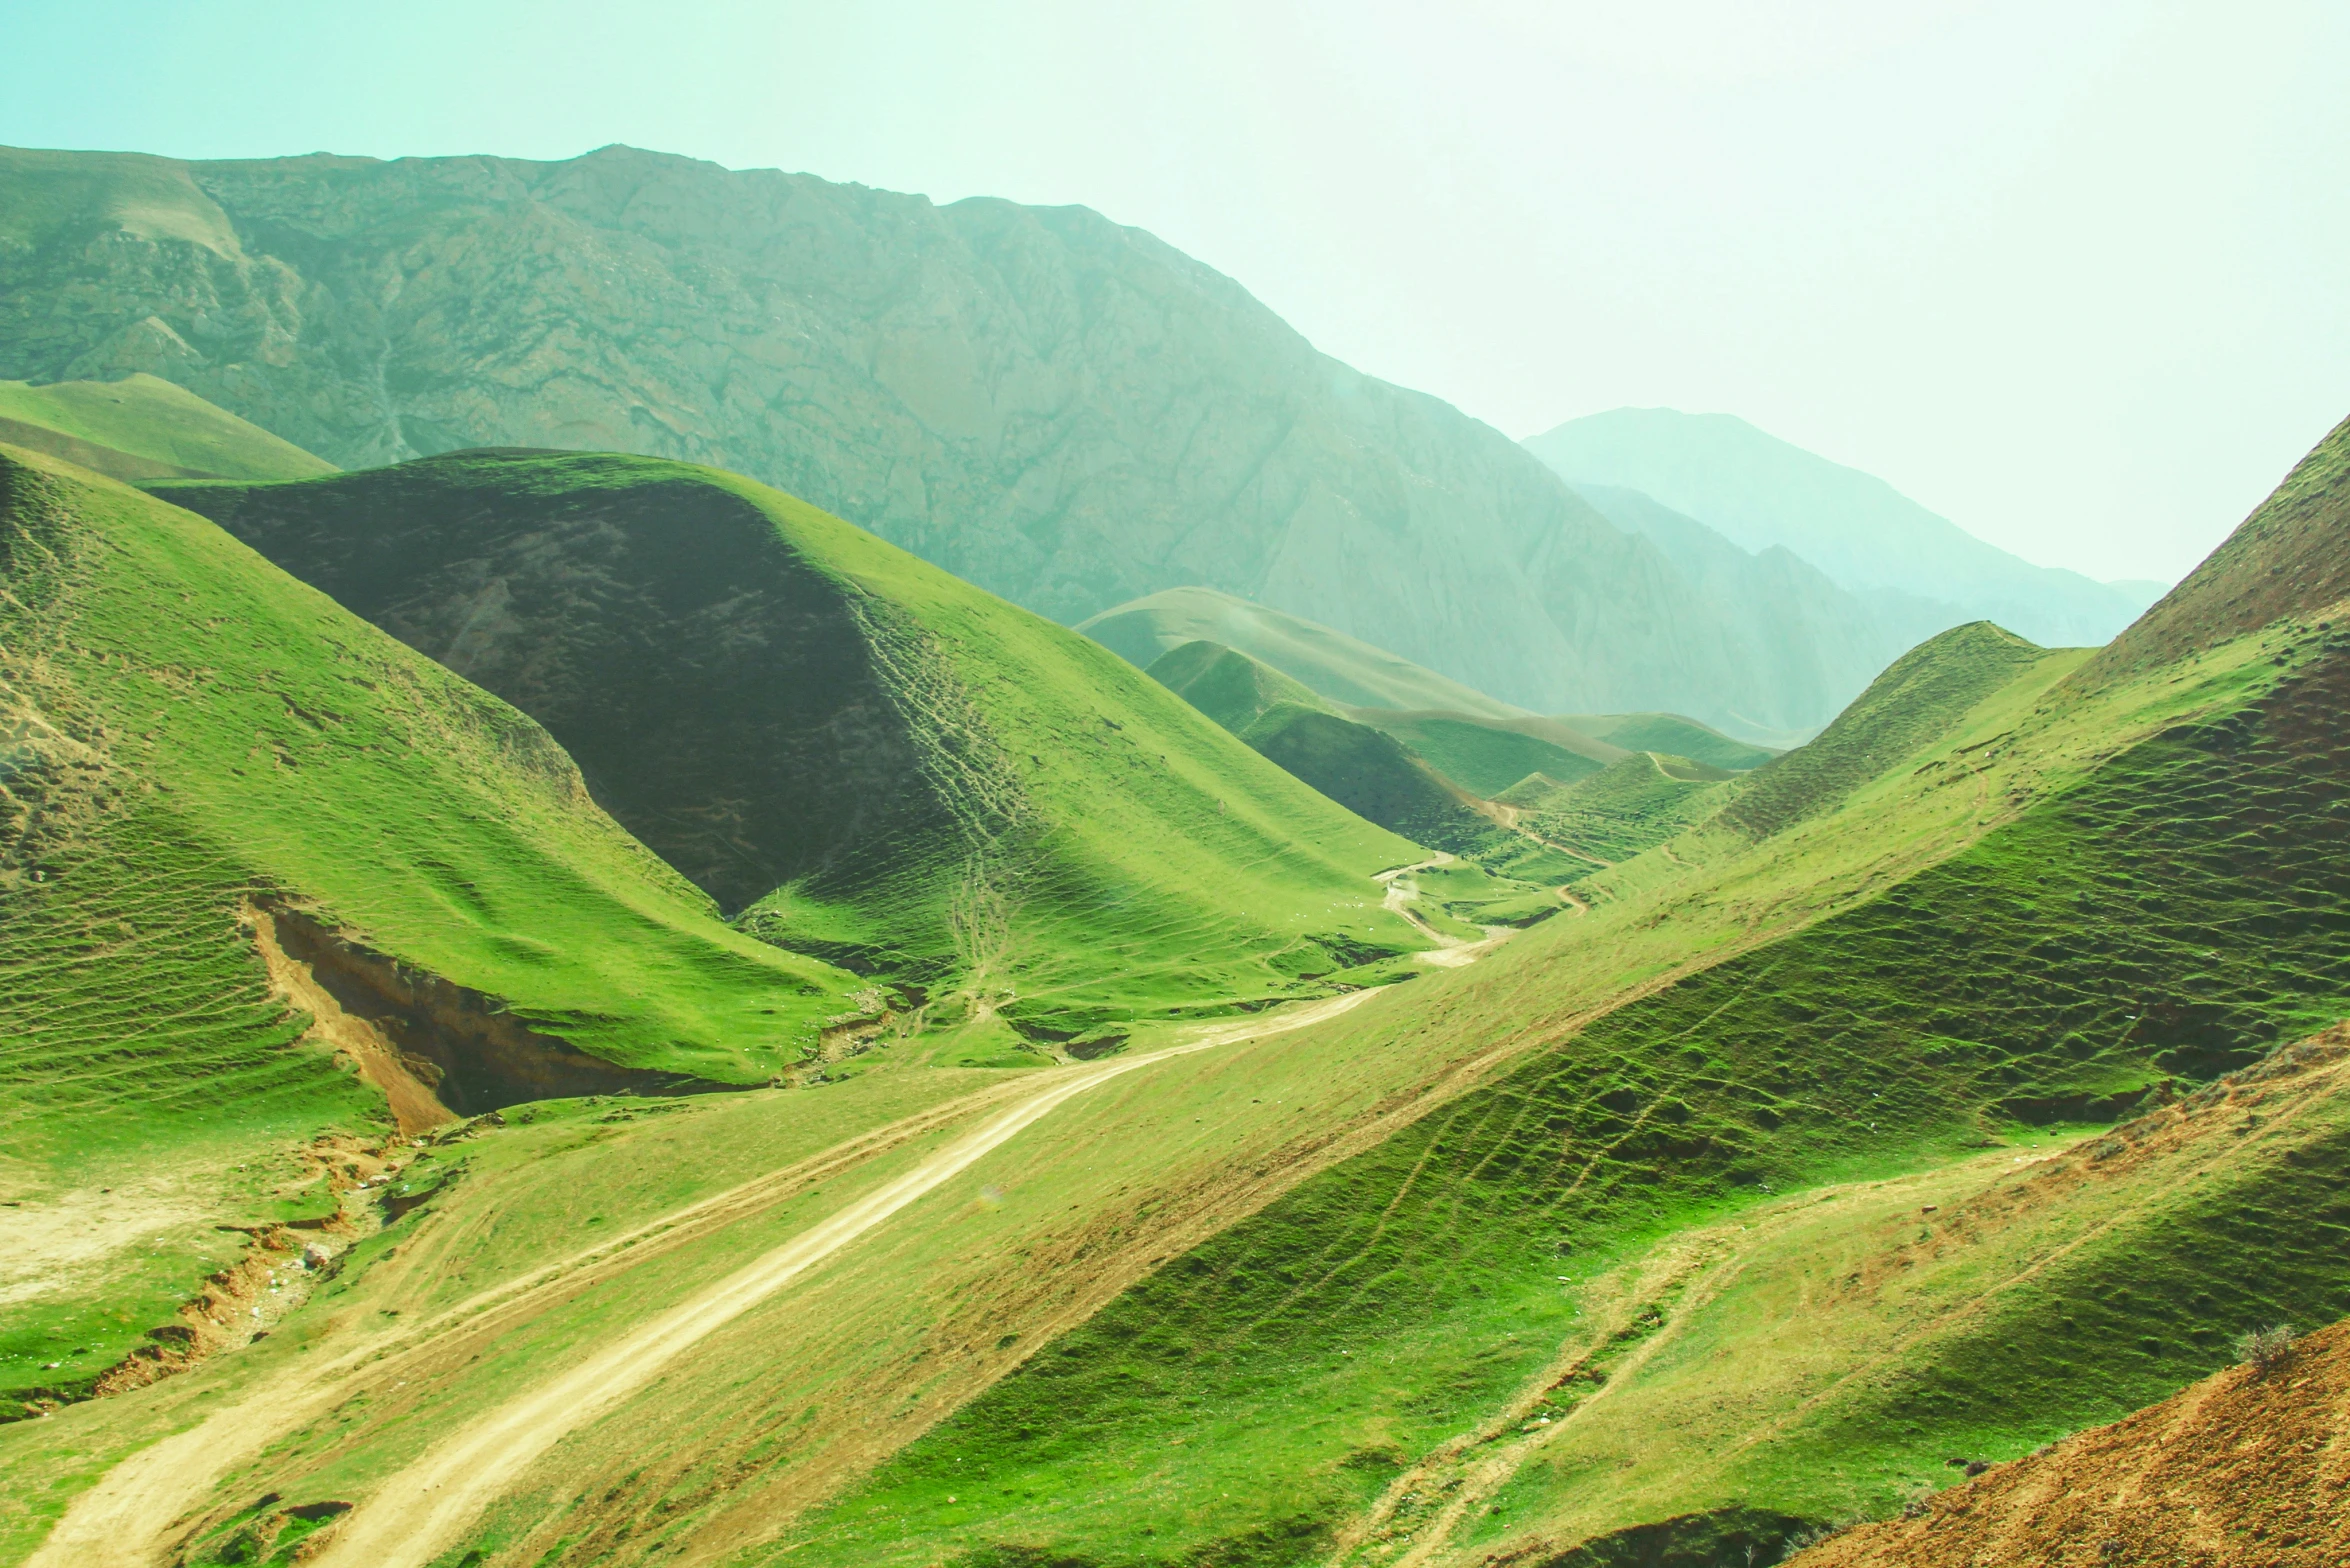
<point>420,1511</point>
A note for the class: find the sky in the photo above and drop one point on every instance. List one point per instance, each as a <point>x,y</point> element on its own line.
<point>2072,273</point>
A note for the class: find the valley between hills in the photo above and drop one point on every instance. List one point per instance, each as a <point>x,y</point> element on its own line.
<point>568,1005</point>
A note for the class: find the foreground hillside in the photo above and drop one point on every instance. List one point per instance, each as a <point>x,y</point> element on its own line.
<point>853,752</point>
<point>1938,1095</point>
<point>2243,1467</point>
<point>1587,1265</point>
<point>219,786</point>
<point>1062,410</point>
<point>142,427</point>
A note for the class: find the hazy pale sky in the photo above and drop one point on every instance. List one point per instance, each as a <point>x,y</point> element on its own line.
<point>2075,273</point>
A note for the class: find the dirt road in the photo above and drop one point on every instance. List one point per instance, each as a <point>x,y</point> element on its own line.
<point>128,1519</point>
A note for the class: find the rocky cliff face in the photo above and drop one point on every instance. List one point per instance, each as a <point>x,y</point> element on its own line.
<point>1065,411</point>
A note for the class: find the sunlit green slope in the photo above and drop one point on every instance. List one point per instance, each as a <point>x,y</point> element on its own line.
<point>1633,806</point>
<point>854,752</point>
<point>1487,755</point>
<point>187,732</point>
<point>1344,670</point>
<point>1672,734</point>
<point>1362,767</point>
<point>143,427</point>
<point>2054,904</point>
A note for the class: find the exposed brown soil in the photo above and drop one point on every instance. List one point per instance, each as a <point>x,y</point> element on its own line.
<point>436,1050</point>
<point>2240,1469</point>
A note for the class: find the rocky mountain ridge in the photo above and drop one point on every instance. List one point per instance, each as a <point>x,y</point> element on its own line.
<point>1068,412</point>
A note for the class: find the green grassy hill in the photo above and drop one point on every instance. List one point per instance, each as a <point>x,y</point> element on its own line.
<point>1362,767</point>
<point>2291,557</point>
<point>1764,1245</point>
<point>1486,756</point>
<point>1671,734</point>
<point>1633,806</point>
<point>1924,693</point>
<point>856,754</point>
<point>142,427</point>
<point>1346,670</point>
<point>189,736</point>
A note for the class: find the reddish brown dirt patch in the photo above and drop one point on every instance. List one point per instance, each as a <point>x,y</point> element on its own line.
<point>2241,1469</point>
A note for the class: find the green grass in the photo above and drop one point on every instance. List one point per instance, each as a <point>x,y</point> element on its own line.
<point>142,427</point>
<point>2173,913</point>
<point>187,728</point>
<point>1359,765</point>
<point>1230,687</point>
<point>1673,735</point>
<point>1341,669</point>
<point>1921,695</point>
<point>2291,557</point>
<point>857,754</point>
<point>1634,806</point>
<point>1487,756</point>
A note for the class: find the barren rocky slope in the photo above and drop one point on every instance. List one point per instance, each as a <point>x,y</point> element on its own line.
<point>1065,411</point>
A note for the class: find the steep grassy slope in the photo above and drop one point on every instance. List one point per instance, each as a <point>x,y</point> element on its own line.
<point>1346,670</point>
<point>144,428</point>
<point>1055,407</point>
<point>188,733</point>
<point>1486,756</point>
<point>1363,768</point>
<point>2291,557</point>
<point>2243,1463</point>
<point>1761,491</point>
<point>860,755</point>
<point>2171,913</point>
<point>1921,695</point>
<point>1671,734</point>
<point>1229,686</point>
<point>1634,806</point>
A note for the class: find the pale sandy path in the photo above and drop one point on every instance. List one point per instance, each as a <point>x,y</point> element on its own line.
<point>421,1511</point>
<point>1450,952</point>
<point>128,1518</point>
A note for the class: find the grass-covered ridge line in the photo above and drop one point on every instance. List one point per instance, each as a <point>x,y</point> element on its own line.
<point>2175,913</point>
<point>143,427</point>
<point>1339,668</point>
<point>1487,756</point>
<point>1921,695</point>
<point>857,754</point>
<point>1634,806</point>
<point>1357,764</point>
<point>1672,734</point>
<point>184,728</point>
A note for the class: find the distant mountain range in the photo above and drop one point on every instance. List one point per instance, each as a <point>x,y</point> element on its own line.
<point>1065,411</point>
<point>1917,573</point>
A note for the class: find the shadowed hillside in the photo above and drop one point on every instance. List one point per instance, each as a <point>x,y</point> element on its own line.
<point>1366,770</point>
<point>850,750</point>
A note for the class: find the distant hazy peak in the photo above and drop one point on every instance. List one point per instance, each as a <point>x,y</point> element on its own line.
<point>1759,491</point>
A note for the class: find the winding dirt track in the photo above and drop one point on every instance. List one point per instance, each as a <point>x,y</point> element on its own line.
<point>127,1519</point>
